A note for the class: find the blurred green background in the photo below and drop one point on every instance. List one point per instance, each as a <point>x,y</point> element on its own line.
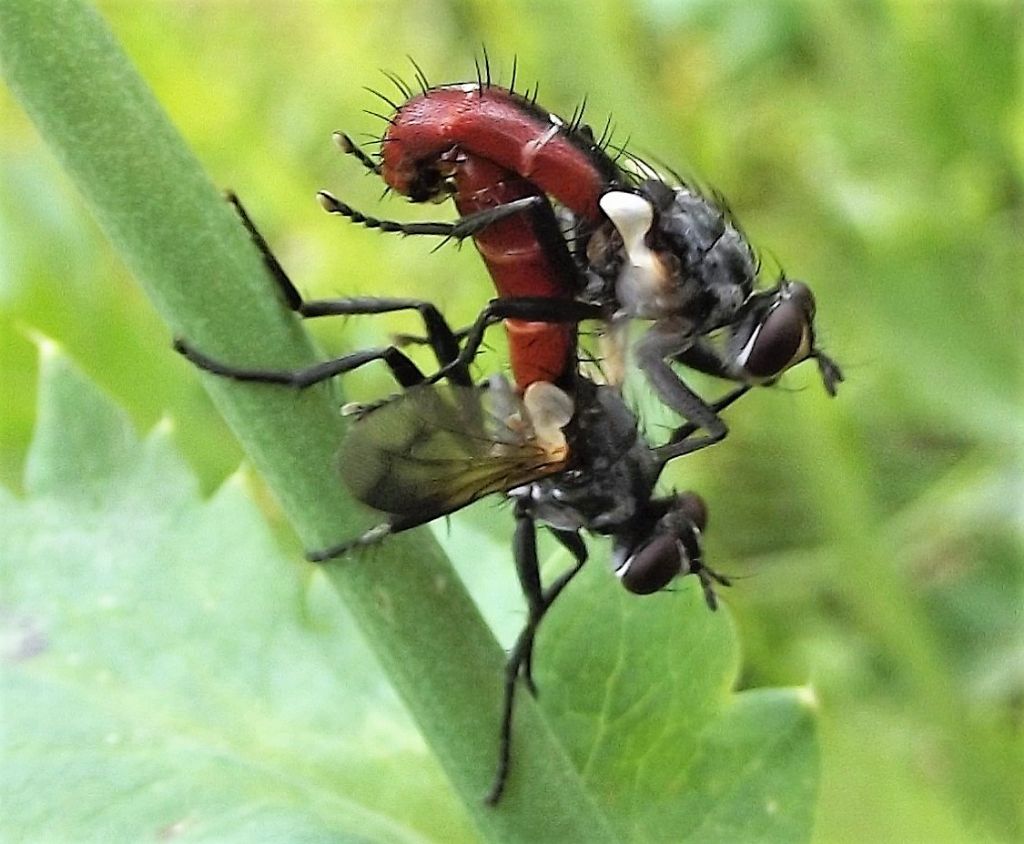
<point>872,148</point>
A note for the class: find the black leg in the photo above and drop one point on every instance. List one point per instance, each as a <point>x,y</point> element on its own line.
<point>679,443</point>
<point>575,545</point>
<point>439,335</point>
<point>405,372</point>
<point>661,343</point>
<point>350,147</point>
<point>529,309</point>
<point>459,229</point>
<point>288,290</point>
<point>539,601</point>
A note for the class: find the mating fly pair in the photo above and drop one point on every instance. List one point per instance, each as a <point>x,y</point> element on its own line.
<point>568,234</point>
<point>569,456</point>
<point>619,244</point>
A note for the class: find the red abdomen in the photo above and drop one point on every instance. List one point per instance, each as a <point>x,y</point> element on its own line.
<point>502,127</point>
<point>519,266</point>
<point>495,147</point>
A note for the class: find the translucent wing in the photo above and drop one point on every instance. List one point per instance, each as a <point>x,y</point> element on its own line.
<point>437,448</point>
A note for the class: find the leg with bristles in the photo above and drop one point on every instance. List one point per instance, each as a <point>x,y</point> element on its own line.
<point>527,309</point>
<point>350,147</point>
<point>288,290</point>
<point>439,335</point>
<point>459,229</point>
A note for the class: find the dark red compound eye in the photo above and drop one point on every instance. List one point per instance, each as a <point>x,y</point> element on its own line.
<point>783,337</point>
<point>776,342</point>
<point>653,567</point>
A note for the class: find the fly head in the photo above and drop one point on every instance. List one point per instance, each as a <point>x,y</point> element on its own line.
<point>665,543</point>
<point>774,332</point>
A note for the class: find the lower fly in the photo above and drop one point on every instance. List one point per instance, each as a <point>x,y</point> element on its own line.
<point>437,447</point>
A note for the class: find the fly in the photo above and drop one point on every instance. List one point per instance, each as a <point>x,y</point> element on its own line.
<point>621,243</point>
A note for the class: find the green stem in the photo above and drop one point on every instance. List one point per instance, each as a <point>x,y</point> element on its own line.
<point>186,248</point>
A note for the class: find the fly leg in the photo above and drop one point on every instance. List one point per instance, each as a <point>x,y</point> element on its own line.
<point>350,147</point>
<point>405,372</point>
<point>679,443</point>
<point>439,334</point>
<point>402,368</point>
<point>454,361</point>
<point>526,308</point>
<point>288,290</point>
<point>459,229</point>
<point>660,344</point>
<point>444,342</point>
<point>538,601</point>
<point>574,543</point>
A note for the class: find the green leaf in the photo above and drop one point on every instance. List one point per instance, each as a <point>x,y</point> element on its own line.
<point>174,674</point>
<point>167,671</point>
<point>639,689</point>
